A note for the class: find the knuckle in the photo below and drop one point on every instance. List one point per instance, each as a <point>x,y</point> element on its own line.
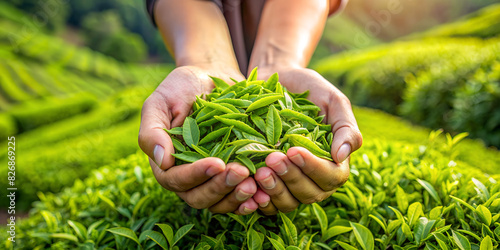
<point>196,203</point>
<point>289,208</point>
<point>315,198</point>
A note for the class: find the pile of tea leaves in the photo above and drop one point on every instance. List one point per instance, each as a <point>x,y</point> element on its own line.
<point>247,121</point>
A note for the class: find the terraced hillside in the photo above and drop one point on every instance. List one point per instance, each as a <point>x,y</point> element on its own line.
<point>448,77</point>
<point>71,109</point>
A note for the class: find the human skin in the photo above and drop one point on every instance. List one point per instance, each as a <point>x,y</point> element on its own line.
<point>196,34</point>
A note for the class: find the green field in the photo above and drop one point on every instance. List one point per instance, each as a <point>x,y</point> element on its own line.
<point>85,184</point>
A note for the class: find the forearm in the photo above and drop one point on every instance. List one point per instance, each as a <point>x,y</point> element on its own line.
<point>288,33</point>
<point>195,33</point>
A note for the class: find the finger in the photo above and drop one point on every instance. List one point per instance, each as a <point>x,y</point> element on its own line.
<point>153,140</point>
<point>215,189</point>
<point>243,191</point>
<point>247,207</point>
<point>326,174</point>
<point>187,176</point>
<point>300,185</point>
<point>272,185</point>
<point>346,135</point>
<point>264,202</point>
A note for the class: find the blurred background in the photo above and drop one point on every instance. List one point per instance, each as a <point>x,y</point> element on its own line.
<point>74,75</point>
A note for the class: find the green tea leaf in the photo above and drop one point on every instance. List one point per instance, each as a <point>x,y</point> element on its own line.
<point>401,199</point>
<point>190,131</point>
<point>247,162</point>
<point>226,153</point>
<point>393,225</point>
<point>290,229</point>
<point>484,213</point>
<point>345,245</point>
<point>174,131</point>
<point>334,231</point>
<point>442,240</point>
<point>178,144</point>
<point>212,136</point>
<point>460,240</point>
<point>235,102</point>
<point>125,232</point>
<point>168,232</point>
<point>427,186</point>
<point>253,75</point>
<point>273,126</point>
<point>381,223</point>
<point>288,101</point>
<point>158,239</point>
<point>321,215</point>
<point>265,101</point>
<point>481,189</point>
<point>239,125</point>
<point>219,83</point>
<point>259,122</point>
<point>79,228</point>
<point>463,203</point>
<point>297,130</point>
<point>276,244</point>
<point>253,240</point>
<point>200,151</point>
<point>143,201</point>
<point>423,228</point>
<point>363,236</point>
<point>188,156</point>
<point>255,149</point>
<point>486,244</point>
<point>181,232</point>
<point>65,236</point>
<point>271,82</point>
<point>294,115</point>
<point>258,139</point>
<point>217,106</point>
<point>302,141</point>
<point>407,231</point>
<point>227,116</point>
<point>201,117</point>
<point>414,212</point>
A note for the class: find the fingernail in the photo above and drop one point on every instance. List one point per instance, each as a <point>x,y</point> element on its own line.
<point>268,183</point>
<point>343,152</point>
<point>158,153</point>
<point>298,160</point>
<point>232,178</point>
<point>280,168</point>
<point>264,204</point>
<point>247,210</point>
<point>213,170</point>
<point>242,196</point>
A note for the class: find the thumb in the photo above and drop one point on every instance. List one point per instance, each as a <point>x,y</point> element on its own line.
<point>153,140</point>
<point>346,135</point>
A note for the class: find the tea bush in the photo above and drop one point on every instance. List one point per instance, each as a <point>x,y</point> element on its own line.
<point>399,196</point>
<point>432,81</point>
<point>36,113</point>
<point>7,126</point>
<point>484,23</point>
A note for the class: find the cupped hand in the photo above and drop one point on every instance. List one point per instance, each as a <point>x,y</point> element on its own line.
<point>299,176</point>
<point>207,183</point>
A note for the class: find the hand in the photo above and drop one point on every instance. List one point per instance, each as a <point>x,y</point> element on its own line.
<point>207,183</point>
<point>299,176</point>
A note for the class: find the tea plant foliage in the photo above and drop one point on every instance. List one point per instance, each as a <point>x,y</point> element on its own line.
<point>398,196</point>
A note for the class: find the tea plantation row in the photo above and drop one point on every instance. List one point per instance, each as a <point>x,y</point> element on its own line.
<point>447,80</point>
